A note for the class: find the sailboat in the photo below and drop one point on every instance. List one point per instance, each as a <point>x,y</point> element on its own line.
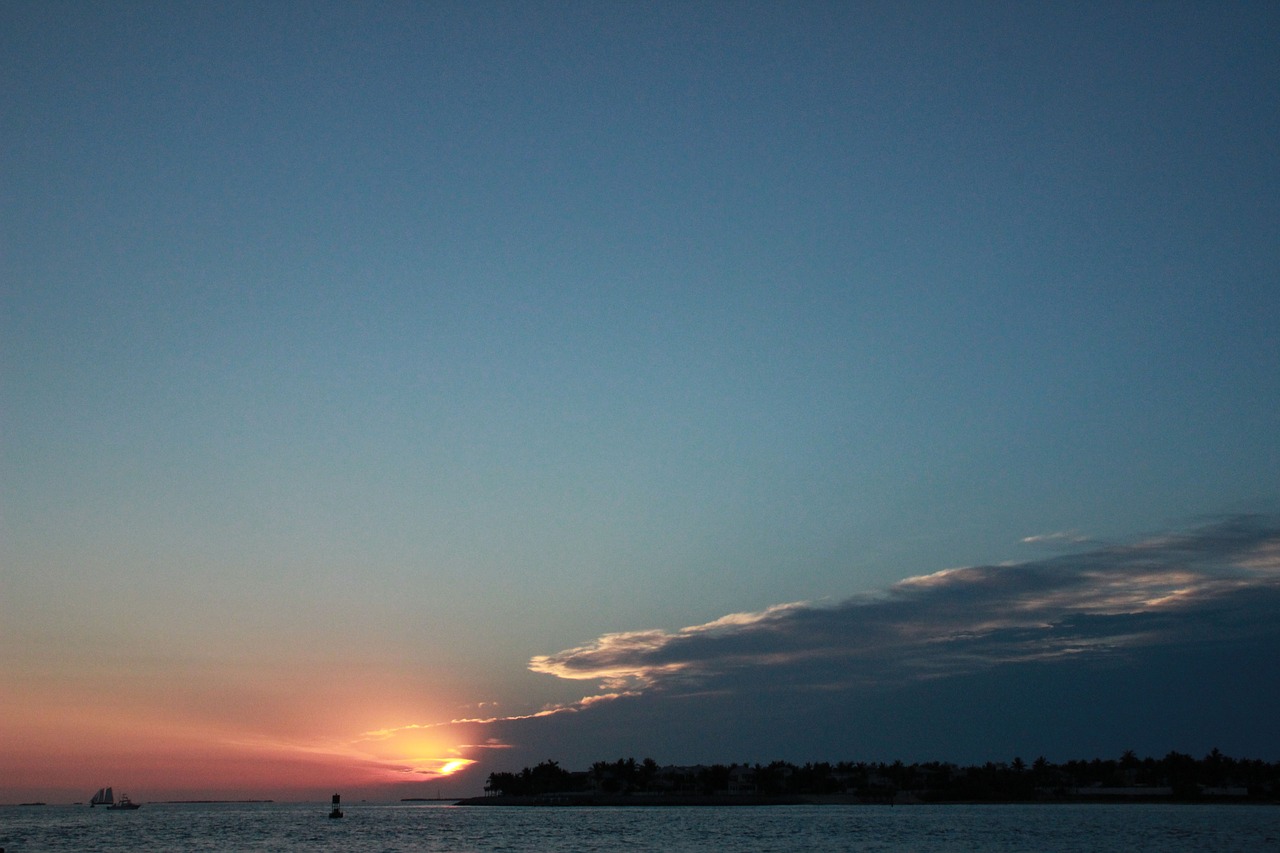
<point>102,798</point>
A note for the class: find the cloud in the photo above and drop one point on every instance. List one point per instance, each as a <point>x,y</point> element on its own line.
<point>1056,539</point>
<point>1164,643</point>
<point>1205,584</point>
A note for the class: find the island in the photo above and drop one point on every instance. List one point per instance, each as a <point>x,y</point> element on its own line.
<point>1175,778</point>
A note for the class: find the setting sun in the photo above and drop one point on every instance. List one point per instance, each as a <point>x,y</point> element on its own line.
<point>410,750</point>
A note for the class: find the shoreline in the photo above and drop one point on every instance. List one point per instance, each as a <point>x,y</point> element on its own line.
<point>695,800</point>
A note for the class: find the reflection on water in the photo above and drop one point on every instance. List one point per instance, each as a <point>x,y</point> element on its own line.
<point>430,828</point>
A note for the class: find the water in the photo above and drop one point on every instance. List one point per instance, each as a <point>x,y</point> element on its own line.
<point>419,828</point>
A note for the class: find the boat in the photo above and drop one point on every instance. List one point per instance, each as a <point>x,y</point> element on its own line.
<point>102,798</point>
<point>124,803</point>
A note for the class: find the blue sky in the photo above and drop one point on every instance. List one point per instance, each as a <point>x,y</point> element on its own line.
<point>445,336</point>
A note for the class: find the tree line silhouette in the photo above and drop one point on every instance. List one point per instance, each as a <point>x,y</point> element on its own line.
<point>1175,776</point>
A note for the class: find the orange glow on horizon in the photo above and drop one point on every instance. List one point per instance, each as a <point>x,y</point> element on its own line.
<point>62,754</point>
<point>412,750</point>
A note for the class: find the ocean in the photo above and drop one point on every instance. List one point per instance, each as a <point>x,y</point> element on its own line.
<point>414,827</point>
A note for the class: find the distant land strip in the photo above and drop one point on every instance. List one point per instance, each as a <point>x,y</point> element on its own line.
<point>192,802</point>
<point>1175,778</point>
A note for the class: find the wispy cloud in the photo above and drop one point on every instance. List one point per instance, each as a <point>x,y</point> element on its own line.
<point>1217,580</point>
<point>1058,538</point>
<point>1107,640</point>
<point>1115,647</point>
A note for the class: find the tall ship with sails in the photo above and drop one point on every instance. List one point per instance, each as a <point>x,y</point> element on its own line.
<point>104,797</point>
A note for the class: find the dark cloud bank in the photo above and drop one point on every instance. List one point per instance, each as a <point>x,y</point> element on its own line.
<point>1167,643</point>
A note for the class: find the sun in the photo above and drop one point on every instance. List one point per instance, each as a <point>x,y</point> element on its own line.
<point>455,765</point>
<point>412,750</point>
<point>430,766</point>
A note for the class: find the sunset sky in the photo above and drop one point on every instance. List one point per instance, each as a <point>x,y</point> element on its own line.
<point>395,392</point>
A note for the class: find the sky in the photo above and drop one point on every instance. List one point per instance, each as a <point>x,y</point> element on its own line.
<point>397,392</point>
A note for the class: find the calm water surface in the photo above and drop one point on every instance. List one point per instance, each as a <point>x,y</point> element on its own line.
<point>430,828</point>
